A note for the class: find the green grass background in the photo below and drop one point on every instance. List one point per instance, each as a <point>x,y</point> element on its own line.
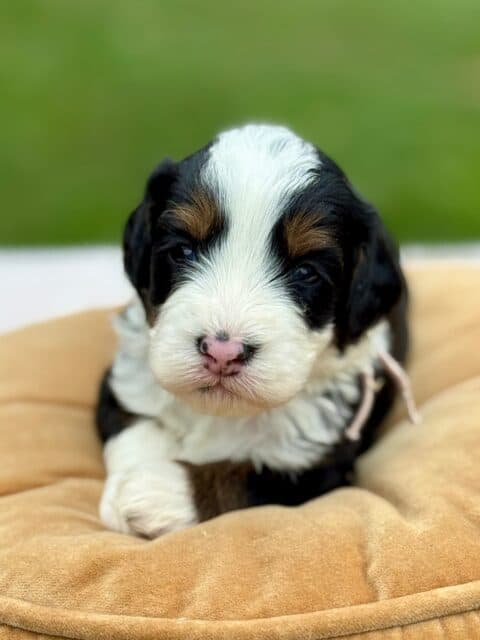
<point>94,93</point>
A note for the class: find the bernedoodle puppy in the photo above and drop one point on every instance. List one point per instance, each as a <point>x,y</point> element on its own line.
<point>261,350</point>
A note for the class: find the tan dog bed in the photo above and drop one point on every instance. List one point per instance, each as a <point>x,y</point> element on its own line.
<point>396,557</point>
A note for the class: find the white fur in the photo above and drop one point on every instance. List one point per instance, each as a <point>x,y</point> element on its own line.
<point>252,171</point>
<point>145,493</point>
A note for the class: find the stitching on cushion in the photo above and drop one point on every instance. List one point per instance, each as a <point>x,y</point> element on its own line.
<point>401,627</point>
<point>218,623</point>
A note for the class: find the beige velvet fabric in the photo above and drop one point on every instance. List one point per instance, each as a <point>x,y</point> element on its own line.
<point>396,556</point>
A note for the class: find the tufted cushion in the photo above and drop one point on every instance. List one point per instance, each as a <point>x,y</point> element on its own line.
<point>397,555</point>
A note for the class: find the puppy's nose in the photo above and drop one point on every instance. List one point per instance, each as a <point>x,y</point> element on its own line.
<point>223,355</point>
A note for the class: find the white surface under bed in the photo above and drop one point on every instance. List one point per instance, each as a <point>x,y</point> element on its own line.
<point>37,284</point>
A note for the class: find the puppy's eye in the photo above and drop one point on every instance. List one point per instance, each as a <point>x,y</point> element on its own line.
<point>305,274</point>
<point>182,253</point>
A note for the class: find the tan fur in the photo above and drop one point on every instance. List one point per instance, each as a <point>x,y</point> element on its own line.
<point>199,217</point>
<point>303,234</point>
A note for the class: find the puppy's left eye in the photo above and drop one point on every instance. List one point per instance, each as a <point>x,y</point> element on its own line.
<point>305,273</point>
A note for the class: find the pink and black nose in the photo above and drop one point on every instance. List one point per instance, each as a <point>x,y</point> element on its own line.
<point>224,356</point>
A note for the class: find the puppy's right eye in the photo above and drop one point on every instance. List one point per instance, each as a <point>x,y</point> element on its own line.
<point>182,253</point>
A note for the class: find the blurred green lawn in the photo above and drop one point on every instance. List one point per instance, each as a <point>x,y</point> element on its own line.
<point>96,92</point>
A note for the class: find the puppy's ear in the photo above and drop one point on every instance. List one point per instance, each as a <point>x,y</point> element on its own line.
<point>376,282</point>
<point>137,237</point>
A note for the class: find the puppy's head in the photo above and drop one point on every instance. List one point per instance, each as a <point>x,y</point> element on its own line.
<point>253,257</point>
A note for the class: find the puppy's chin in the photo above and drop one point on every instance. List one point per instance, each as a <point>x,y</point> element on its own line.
<point>220,401</point>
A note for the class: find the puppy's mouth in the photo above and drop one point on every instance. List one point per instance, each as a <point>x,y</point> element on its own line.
<point>225,395</point>
<point>233,395</point>
<point>217,391</point>
<point>229,388</point>
<point>219,388</point>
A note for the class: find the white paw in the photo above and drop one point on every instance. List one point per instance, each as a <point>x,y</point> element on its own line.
<point>148,503</point>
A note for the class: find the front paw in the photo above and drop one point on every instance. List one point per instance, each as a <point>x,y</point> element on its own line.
<point>148,503</point>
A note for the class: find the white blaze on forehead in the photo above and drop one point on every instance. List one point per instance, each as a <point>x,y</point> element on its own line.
<point>253,171</point>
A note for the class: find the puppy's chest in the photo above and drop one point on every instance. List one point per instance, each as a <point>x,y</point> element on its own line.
<point>292,437</point>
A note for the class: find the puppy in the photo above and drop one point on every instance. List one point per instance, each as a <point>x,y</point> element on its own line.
<point>269,303</point>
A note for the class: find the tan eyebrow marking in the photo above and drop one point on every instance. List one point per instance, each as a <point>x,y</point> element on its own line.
<point>199,217</point>
<point>303,234</point>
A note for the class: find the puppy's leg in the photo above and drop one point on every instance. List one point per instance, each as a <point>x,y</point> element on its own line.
<point>146,493</point>
<point>149,494</point>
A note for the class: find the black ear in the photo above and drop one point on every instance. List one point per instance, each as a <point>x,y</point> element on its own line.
<point>137,237</point>
<point>376,282</point>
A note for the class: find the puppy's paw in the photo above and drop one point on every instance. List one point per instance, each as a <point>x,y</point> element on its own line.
<point>148,503</point>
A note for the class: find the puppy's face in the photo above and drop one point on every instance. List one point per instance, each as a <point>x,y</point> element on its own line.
<point>252,257</point>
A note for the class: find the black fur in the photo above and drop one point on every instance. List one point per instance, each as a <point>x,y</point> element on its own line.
<point>138,234</point>
<point>273,487</point>
<point>375,282</point>
<point>110,417</point>
<point>361,275</point>
<point>151,234</point>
